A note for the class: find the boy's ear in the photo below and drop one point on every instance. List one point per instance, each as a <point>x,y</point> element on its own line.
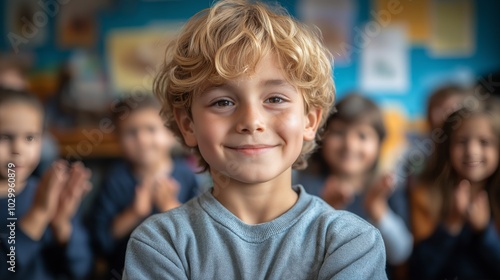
<point>313,118</point>
<point>185,124</point>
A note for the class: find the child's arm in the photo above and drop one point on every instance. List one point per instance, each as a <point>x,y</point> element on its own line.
<point>361,257</point>
<point>44,206</point>
<point>166,191</point>
<point>125,222</point>
<point>397,238</point>
<point>486,235</point>
<point>431,255</point>
<point>71,236</point>
<point>69,201</point>
<point>33,225</point>
<point>488,247</point>
<point>76,252</point>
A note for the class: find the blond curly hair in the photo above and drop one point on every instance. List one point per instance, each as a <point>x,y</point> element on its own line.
<point>227,41</point>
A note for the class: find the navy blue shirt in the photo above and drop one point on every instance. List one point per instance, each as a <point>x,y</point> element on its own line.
<point>467,255</point>
<point>45,258</point>
<point>116,195</point>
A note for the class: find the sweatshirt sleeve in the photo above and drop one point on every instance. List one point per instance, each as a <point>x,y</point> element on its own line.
<point>488,247</point>
<point>110,201</point>
<point>362,257</point>
<point>26,250</point>
<point>77,252</point>
<point>397,238</point>
<point>424,262</point>
<point>142,261</point>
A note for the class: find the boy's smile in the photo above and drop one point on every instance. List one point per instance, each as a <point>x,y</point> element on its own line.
<point>250,129</point>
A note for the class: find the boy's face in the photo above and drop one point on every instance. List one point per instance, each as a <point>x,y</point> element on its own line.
<point>474,149</point>
<point>250,129</point>
<point>144,138</point>
<point>350,149</point>
<point>20,139</point>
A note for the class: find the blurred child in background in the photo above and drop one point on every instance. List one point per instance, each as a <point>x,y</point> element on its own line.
<point>13,76</point>
<point>50,242</point>
<point>344,172</point>
<point>455,206</point>
<point>148,182</point>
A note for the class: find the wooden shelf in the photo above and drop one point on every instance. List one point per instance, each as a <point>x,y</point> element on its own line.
<point>86,142</point>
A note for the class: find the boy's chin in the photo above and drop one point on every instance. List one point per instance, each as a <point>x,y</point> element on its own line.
<point>246,177</point>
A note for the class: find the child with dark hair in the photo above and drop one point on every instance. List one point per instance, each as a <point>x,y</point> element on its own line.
<point>455,205</point>
<point>344,173</point>
<point>148,181</point>
<point>41,234</point>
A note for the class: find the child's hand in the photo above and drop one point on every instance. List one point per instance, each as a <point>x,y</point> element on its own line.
<point>45,202</point>
<point>166,191</point>
<point>460,205</point>
<point>479,212</point>
<point>143,201</point>
<point>336,194</point>
<point>77,185</point>
<point>377,196</point>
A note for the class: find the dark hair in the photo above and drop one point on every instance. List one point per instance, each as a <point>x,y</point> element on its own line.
<point>490,84</point>
<point>11,95</point>
<point>352,109</point>
<point>130,104</point>
<point>440,174</point>
<point>441,94</point>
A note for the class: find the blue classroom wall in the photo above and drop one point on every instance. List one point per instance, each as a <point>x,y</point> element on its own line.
<point>425,72</point>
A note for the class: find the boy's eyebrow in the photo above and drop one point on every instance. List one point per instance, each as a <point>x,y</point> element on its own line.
<point>264,83</point>
<point>276,82</point>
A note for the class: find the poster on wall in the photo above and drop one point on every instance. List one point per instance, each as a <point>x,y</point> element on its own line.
<point>335,19</point>
<point>134,55</point>
<point>414,14</point>
<point>384,61</point>
<point>77,25</point>
<point>26,24</point>
<point>452,26</point>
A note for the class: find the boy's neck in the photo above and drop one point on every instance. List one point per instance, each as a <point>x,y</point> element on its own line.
<point>163,166</point>
<point>256,203</point>
<point>4,187</point>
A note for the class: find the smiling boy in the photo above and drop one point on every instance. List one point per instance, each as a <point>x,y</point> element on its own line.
<point>246,88</point>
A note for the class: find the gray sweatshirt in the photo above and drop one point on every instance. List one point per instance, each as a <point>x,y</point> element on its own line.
<point>203,240</point>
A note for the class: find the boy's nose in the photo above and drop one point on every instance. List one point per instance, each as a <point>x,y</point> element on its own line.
<point>250,119</point>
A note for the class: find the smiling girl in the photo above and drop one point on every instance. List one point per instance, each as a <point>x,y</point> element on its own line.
<point>460,201</point>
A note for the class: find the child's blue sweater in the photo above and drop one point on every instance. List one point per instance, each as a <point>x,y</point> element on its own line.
<point>43,259</point>
<point>117,194</point>
<point>203,240</point>
<point>467,255</point>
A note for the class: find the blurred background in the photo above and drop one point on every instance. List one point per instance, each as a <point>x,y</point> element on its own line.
<point>79,56</point>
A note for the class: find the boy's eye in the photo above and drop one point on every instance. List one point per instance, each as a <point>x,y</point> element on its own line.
<point>275,99</point>
<point>362,136</point>
<point>30,138</point>
<point>4,137</point>
<point>223,103</point>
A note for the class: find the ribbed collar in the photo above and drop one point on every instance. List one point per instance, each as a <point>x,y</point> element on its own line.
<point>259,232</point>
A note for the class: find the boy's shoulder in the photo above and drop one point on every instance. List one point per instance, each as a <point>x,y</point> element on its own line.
<point>194,215</point>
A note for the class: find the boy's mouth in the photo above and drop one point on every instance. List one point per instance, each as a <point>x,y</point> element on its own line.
<point>251,149</point>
